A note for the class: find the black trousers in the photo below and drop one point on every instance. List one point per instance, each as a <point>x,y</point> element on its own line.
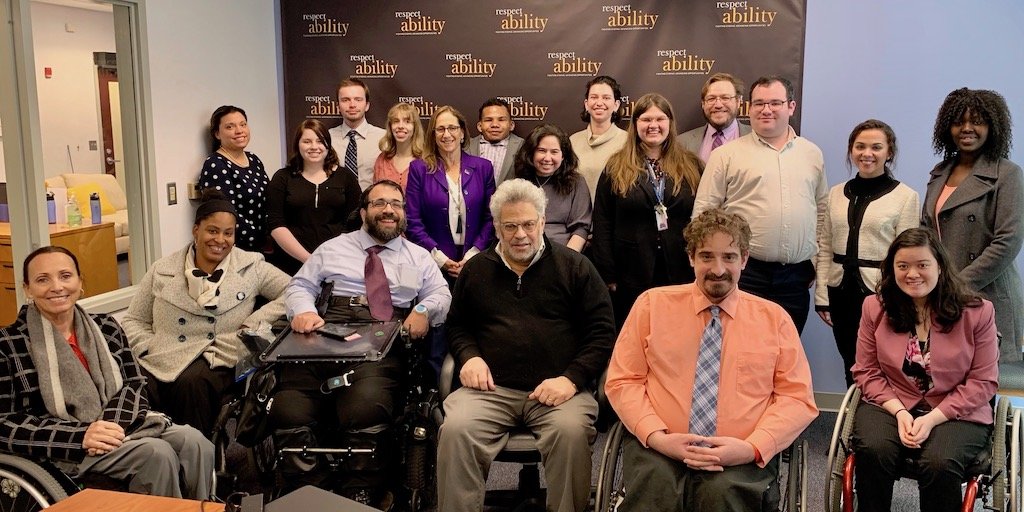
<point>943,458</point>
<point>785,285</point>
<point>844,305</point>
<point>195,397</point>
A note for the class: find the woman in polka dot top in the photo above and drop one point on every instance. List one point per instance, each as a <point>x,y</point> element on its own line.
<point>238,174</point>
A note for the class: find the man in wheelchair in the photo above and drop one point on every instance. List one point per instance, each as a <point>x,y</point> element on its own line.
<point>711,381</point>
<point>378,276</point>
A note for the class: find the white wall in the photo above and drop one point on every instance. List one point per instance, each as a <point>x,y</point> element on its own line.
<point>897,61</point>
<point>68,102</point>
<point>202,55</point>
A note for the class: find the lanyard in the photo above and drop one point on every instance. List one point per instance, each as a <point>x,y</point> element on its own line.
<point>659,183</point>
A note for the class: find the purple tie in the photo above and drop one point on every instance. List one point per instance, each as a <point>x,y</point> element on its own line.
<point>378,294</point>
<point>718,140</point>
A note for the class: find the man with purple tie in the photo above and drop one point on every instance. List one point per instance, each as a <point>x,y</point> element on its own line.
<point>720,98</point>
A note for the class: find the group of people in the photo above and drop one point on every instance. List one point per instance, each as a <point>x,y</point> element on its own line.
<point>679,264</point>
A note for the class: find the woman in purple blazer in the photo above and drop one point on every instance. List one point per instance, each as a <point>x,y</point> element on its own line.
<point>454,227</point>
<point>927,365</point>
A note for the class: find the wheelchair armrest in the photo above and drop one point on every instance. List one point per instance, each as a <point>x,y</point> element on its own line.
<point>446,381</point>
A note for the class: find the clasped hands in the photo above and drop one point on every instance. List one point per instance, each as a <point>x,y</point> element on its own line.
<point>102,437</point>
<point>714,453</point>
<point>551,392</point>
<point>914,431</point>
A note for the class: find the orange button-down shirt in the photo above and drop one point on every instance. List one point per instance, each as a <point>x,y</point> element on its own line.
<point>765,395</point>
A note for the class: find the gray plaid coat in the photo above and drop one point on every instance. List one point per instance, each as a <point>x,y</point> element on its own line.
<point>26,428</point>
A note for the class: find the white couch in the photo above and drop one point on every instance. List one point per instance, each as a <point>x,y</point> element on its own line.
<point>112,192</point>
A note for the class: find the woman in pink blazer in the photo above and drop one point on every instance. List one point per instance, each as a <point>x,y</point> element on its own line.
<point>927,365</point>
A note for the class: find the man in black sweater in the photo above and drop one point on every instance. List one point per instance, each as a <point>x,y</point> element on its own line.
<point>531,326</point>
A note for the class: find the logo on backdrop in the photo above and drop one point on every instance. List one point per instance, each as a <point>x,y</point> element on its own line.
<point>368,66</point>
<point>742,15</point>
<point>624,17</point>
<point>525,110</point>
<point>319,25</point>
<point>568,64</point>
<point>322,107</point>
<point>415,23</point>
<point>425,107</point>
<point>464,65</point>
<point>516,21</point>
<point>682,62</point>
<point>626,110</point>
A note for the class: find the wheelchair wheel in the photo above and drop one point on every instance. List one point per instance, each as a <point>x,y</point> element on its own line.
<point>838,450</point>
<point>1016,442</point>
<point>999,454</point>
<point>26,486</point>
<point>610,488</point>
<point>795,499</point>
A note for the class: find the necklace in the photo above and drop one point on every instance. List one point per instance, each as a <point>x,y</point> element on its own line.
<point>539,184</point>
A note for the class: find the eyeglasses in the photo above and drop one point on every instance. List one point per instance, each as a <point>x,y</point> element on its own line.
<point>773,104</point>
<point>450,129</point>
<point>380,204</point>
<point>511,228</point>
<point>711,100</point>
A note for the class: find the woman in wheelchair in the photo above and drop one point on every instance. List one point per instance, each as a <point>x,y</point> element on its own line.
<point>927,359</point>
<point>71,393</point>
<point>183,323</point>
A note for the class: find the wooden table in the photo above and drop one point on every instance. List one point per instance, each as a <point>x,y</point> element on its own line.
<point>92,244</point>
<point>113,501</point>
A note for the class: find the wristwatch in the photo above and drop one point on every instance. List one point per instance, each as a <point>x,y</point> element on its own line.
<point>421,309</point>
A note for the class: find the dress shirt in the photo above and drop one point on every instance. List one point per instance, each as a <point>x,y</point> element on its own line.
<point>765,395</point>
<point>411,274</point>
<point>729,133</point>
<point>495,153</point>
<point>367,139</point>
<point>781,193</point>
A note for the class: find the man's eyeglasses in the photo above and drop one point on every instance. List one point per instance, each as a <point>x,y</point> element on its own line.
<point>759,105</point>
<point>511,228</point>
<point>380,204</point>
<point>450,129</point>
<point>711,100</point>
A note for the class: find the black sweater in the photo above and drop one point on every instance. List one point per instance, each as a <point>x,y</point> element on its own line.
<point>555,320</point>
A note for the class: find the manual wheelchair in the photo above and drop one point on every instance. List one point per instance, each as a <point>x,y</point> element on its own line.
<point>995,478</point>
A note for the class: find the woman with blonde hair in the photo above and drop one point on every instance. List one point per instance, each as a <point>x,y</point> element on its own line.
<point>401,144</point>
<point>643,202</point>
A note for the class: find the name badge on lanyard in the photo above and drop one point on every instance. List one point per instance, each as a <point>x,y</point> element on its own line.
<point>660,211</point>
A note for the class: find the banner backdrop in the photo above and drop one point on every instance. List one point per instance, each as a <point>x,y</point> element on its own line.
<point>536,54</point>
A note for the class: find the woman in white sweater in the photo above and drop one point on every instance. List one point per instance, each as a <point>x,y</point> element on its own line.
<point>863,217</point>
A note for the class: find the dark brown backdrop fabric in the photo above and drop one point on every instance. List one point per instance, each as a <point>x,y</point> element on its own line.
<point>538,54</point>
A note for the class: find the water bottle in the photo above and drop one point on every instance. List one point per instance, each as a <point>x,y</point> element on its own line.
<point>51,208</point>
<point>94,208</point>
<point>74,214</point>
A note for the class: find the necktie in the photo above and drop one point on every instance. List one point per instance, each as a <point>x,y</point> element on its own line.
<point>378,294</point>
<point>704,409</point>
<point>350,153</point>
<point>718,140</point>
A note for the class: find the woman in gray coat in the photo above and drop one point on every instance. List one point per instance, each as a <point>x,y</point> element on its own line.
<point>183,323</point>
<point>975,200</point>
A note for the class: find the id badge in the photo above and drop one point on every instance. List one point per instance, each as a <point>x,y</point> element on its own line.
<point>661,217</point>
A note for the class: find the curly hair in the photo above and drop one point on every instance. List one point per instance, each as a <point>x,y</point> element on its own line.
<point>949,298</point>
<point>564,177</point>
<point>716,220</point>
<point>986,107</point>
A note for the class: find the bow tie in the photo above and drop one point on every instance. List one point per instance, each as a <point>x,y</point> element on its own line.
<point>213,278</point>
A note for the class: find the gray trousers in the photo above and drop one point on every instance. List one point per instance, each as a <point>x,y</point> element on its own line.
<point>152,464</point>
<point>476,427</point>
<point>656,482</point>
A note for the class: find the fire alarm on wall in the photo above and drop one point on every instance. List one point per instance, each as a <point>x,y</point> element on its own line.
<point>47,72</point>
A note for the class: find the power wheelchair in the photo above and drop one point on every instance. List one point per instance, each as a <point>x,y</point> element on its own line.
<point>995,478</point>
<point>611,489</point>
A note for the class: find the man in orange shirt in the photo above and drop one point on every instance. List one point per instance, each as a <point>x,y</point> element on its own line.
<point>712,382</point>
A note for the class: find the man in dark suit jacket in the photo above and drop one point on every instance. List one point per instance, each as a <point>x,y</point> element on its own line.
<point>720,98</point>
<point>496,141</point>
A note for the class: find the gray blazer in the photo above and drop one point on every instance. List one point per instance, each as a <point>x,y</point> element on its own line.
<point>167,329</point>
<point>504,172</point>
<point>692,139</point>
<point>982,227</point>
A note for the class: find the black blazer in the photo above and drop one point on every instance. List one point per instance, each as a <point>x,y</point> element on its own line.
<point>626,238</point>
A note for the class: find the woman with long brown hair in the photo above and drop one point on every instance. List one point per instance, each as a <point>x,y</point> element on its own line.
<point>644,201</point>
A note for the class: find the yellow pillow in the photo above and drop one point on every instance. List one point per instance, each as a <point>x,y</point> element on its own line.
<point>82,194</point>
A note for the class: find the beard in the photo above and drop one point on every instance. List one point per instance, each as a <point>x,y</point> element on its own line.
<point>717,287</point>
<point>386,234</point>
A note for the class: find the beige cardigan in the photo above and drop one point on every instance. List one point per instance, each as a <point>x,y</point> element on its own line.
<point>167,329</point>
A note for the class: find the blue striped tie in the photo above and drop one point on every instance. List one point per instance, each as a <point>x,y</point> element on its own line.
<point>350,154</point>
<point>704,409</point>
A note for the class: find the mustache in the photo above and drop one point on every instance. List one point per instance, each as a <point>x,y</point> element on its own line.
<point>721,277</point>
